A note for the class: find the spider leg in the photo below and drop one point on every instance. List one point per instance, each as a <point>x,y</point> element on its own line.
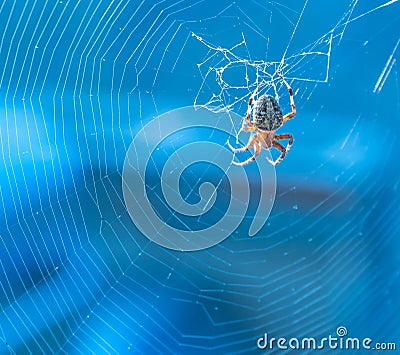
<point>257,150</point>
<point>293,113</point>
<point>246,128</point>
<point>251,142</point>
<point>280,147</point>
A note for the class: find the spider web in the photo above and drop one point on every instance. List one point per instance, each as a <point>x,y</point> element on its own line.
<point>79,80</point>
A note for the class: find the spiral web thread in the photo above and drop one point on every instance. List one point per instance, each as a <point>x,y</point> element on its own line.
<point>77,81</point>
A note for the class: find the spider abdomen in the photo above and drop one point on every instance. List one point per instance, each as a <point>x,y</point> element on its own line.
<point>267,114</point>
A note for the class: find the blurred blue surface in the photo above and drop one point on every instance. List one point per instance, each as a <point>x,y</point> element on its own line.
<point>79,79</point>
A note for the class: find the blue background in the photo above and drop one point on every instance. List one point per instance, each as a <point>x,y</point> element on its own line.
<point>77,82</point>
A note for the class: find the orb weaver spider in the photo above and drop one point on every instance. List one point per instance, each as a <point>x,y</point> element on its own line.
<point>267,118</point>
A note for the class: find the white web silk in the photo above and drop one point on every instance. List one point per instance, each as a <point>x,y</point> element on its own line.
<point>79,80</point>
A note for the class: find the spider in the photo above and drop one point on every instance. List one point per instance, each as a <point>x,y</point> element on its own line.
<point>267,118</point>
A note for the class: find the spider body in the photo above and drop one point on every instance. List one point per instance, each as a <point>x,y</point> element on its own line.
<point>265,138</point>
<point>267,115</point>
<point>267,118</point>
